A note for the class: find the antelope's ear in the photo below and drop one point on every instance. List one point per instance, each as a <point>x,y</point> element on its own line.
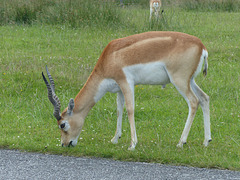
<point>70,107</point>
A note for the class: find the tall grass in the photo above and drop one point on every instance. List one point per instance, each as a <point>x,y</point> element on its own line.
<point>77,13</point>
<point>211,5</point>
<point>72,12</point>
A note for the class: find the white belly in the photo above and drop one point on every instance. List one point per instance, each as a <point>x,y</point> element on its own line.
<point>150,73</point>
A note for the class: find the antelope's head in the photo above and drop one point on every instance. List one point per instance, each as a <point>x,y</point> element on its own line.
<point>68,121</point>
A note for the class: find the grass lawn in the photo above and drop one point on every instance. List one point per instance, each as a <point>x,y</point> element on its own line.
<point>27,123</point>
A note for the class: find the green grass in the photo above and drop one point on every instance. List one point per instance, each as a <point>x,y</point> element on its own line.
<point>26,120</point>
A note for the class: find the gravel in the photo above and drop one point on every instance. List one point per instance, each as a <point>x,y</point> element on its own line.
<point>21,165</point>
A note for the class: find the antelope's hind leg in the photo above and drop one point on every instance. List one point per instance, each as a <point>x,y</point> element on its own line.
<point>184,89</point>
<point>204,103</point>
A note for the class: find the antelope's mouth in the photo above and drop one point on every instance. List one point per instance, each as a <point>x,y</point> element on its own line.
<point>71,144</point>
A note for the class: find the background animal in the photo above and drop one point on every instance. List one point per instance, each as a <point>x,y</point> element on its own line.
<point>155,6</point>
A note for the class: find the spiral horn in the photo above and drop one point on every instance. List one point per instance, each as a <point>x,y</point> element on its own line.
<point>52,96</point>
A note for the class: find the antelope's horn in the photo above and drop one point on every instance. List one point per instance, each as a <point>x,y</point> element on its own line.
<point>51,80</point>
<point>52,96</point>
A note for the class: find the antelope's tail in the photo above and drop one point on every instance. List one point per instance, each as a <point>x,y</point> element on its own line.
<point>205,56</point>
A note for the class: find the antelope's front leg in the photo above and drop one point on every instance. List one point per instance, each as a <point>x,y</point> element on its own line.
<point>127,87</point>
<point>120,105</point>
<point>130,111</point>
<point>129,98</point>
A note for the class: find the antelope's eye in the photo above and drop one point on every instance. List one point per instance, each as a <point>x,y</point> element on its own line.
<point>62,125</point>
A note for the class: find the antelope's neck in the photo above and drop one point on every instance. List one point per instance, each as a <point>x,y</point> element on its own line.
<point>84,101</point>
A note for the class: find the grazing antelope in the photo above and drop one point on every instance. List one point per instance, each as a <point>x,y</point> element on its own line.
<point>155,58</point>
<point>155,6</point>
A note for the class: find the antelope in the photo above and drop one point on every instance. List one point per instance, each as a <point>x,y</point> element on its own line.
<point>155,6</point>
<point>153,58</point>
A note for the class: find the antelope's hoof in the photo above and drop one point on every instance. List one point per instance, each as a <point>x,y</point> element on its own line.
<point>132,146</point>
<point>180,144</point>
<point>206,142</point>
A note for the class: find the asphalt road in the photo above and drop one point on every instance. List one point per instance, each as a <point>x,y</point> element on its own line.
<point>20,165</point>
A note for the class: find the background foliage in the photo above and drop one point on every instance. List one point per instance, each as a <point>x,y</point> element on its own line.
<point>77,12</point>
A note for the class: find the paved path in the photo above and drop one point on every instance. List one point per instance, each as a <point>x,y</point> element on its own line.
<point>19,165</point>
